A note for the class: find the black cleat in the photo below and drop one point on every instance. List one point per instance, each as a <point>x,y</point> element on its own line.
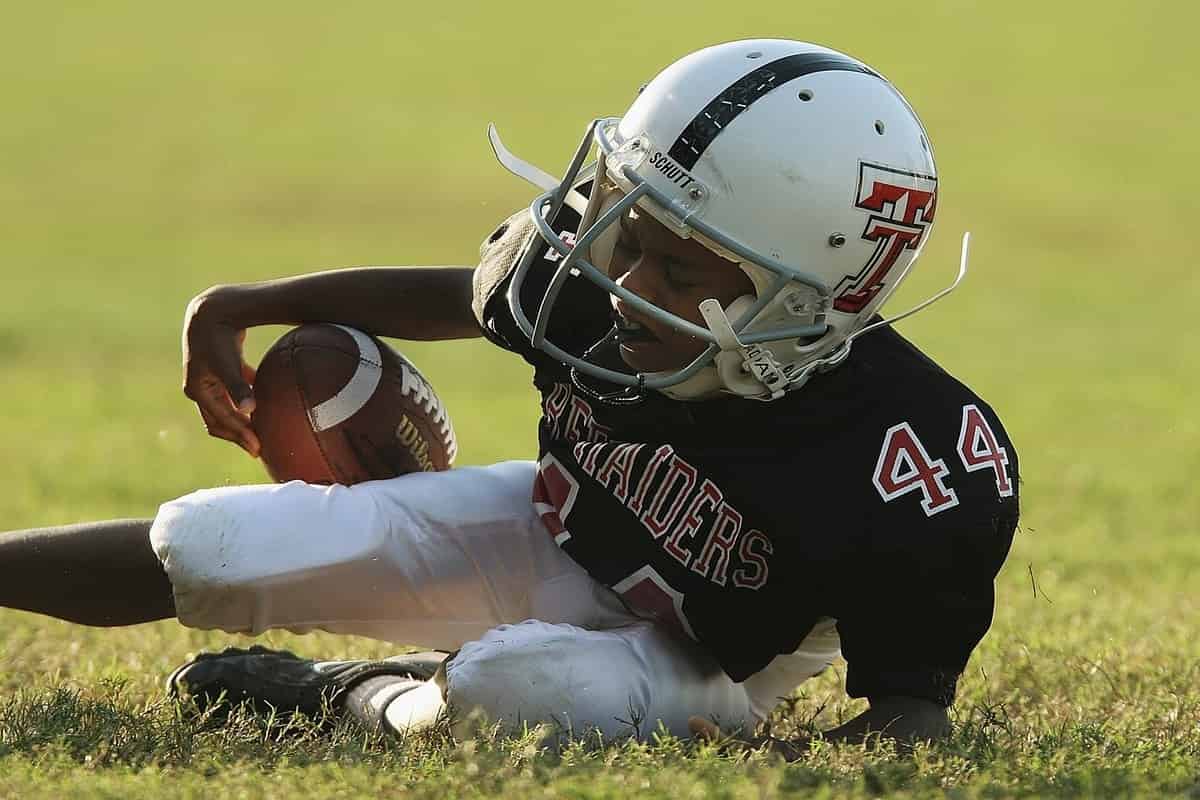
<point>279,681</point>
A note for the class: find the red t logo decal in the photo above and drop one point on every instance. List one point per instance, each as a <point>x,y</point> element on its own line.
<point>901,206</point>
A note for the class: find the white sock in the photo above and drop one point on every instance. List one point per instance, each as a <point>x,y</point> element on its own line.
<point>396,704</point>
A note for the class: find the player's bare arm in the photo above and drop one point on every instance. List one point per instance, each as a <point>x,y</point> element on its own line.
<point>106,573</point>
<point>420,303</point>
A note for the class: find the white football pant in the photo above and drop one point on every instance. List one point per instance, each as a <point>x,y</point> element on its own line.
<point>456,560</point>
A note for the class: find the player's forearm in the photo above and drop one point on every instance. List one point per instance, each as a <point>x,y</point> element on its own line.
<point>425,303</point>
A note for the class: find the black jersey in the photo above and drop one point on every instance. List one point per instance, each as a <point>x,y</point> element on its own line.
<point>882,494</point>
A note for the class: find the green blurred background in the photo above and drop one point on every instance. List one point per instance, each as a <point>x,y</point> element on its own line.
<point>149,150</point>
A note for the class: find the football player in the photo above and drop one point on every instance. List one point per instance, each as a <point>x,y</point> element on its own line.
<point>743,471</point>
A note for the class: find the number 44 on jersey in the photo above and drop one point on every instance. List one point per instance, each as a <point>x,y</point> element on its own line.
<point>904,466</point>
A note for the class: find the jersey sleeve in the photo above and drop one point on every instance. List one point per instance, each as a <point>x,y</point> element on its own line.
<point>945,511</point>
<point>915,638</point>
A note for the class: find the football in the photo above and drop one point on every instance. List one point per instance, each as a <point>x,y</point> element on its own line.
<point>335,405</point>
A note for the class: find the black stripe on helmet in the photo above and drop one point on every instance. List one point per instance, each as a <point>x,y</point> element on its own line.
<point>726,106</point>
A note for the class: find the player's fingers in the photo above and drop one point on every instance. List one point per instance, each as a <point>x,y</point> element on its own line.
<point>240,393</point>
<point>244,401</point>
<point>216,386</point>
<point>209,392</point>
<point>787,750</point>
<point>224,359</point>
<point>246,435</point>
<point>704,730</point>
<point>245,439</point>
<point>250,442</point>
<point>707,731</point>
<point>221,418</point>
<point>217,429</point>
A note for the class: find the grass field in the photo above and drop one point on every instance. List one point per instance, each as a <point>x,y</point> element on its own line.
<point>149,150</point>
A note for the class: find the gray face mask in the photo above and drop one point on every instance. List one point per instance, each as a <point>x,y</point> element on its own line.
<point>722,335</point>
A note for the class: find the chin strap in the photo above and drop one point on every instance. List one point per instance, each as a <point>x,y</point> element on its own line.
<point>776,378</point>
<point>755,359</point>
<point>962,273</point>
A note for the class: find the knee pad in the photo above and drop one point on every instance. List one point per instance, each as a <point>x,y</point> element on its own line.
<point>185,535</point>
<point>238,535</point>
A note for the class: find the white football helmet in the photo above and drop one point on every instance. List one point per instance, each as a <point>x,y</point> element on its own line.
<point>799,163</point>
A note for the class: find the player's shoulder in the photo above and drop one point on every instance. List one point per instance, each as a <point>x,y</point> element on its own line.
<point>935,447</point>
<point>886,355</point>
<point>902,381</point>
<point>894,440</point>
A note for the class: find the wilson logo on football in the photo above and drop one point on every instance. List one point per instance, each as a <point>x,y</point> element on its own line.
<point>901,206</point>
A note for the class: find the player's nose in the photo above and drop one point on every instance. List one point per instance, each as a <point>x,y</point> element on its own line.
<point>637,280</point>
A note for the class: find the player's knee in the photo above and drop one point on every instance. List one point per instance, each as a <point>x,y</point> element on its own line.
<point>246,534</point>
<point>577,683</point>
<point>192,536</point>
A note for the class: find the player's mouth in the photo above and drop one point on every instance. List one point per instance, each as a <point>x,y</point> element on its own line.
<point>629,333</point>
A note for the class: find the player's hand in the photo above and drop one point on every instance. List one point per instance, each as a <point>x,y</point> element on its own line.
<point>216,377</point>
<point>705,730</point>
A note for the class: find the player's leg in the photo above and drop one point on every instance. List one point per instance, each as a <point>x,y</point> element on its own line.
<point>277,681</point>
<point>439,560</point>
<point>619,682</point>
<point>626,681</point>
<point>100,573</point>
<point>622,681</point>
<point>428,559</point>
<point>250,558</point>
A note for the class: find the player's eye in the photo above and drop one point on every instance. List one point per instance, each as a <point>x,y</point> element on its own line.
<point>628,246</point>
<point>679,275</point>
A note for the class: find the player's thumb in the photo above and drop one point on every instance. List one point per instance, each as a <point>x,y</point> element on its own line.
<point>237,386</point>
<point>242,396</point>
<point>246,405</point>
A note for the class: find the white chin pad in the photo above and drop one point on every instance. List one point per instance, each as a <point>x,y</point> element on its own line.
<point>731,371</point>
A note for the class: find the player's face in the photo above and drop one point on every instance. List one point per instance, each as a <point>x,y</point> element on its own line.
<point>675,274</point>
